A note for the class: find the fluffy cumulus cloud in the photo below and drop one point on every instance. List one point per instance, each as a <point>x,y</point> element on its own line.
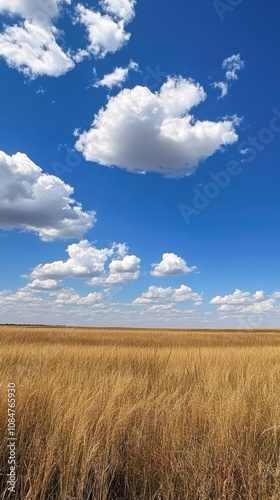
<point>237,297</point>
<point>123,9</point>
<point>144,131</point>
<point>117,77</point>
<point>121,271</point>
<point>31,45</point>
<point>233,64</point>
<point>33,50</point>
<point>44,285</point>
<point>32,200</point>
<point>158,295</point>
<point>104,33</point>
<point>39,10</point>
<point>84,261</point>
<point>245,302</point>
<point>171,265</point>
<point>88,262</point>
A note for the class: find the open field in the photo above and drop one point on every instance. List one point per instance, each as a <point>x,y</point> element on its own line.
<point>124,414</point>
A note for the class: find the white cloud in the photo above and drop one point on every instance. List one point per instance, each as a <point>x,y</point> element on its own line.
<point>105,35</point>
<point>44,285</point>
<point>80,55</point>
<point>245,302</point>
<point>33,50</point>
<point>63,307</point>
<point>35,201</point>
<point>159,307</point>
<point>159,295</point>
<point>39,10</point>
<point>223,87</point>
<point>31,45</point>
<point>257,307</point>
<point>87,261</point>
<point>171,265</point>
<point>70,308</point>
<point>259,295</point>
<point>233,64</point>
<point>23,295</point>
<point>184,294</point>
<point>120,272</point>
<point>260,307</point>
<point>70,297</point>
<point>84,261</point>
<point>174,141</point>
<point>238,297</point>
<point>117,77</point>
<point>123,9</point>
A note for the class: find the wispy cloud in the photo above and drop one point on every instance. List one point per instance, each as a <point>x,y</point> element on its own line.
<point>117,77</point>
<point>105,35</point>
<point>232,65</point>
<point>223,87</point>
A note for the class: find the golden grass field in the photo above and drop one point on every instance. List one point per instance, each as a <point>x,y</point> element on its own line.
<point>124,414</point>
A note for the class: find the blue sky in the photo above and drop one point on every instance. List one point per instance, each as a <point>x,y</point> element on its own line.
<point>139,163</point>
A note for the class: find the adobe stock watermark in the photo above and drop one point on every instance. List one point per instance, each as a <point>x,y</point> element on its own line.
<point>221,180</point>
<point>222,7</point>
<point>154,77</point>
<point>71,162</point>
<point>252,321</point>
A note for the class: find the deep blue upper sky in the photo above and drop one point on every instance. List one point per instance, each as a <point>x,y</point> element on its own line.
<point>140,174</point>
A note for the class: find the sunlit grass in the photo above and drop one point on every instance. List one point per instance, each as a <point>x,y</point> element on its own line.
<point>142,414</point>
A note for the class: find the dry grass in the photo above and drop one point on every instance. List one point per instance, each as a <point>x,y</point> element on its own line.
<point>142,414</point>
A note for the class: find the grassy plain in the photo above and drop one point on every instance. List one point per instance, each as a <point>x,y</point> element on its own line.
<point>125,414</point>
